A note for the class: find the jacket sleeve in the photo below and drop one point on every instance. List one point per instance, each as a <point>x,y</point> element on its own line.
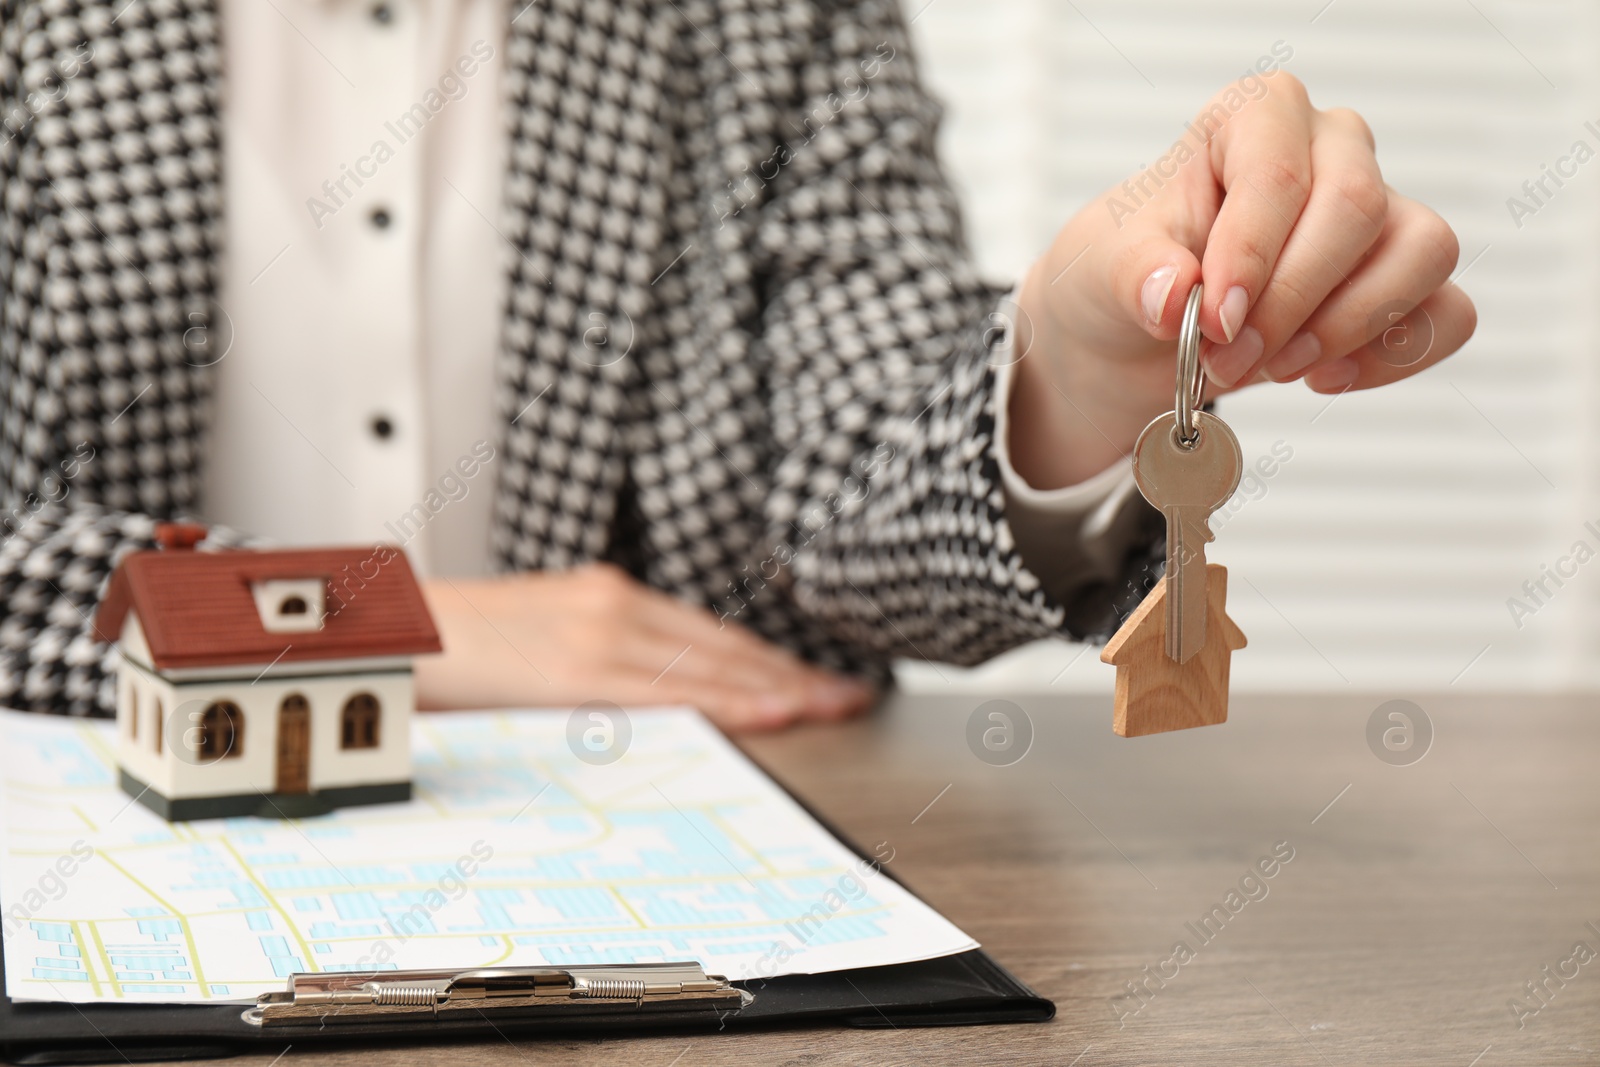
<point>888,499</point>
<point>52,569</point>
<point>53,565</point>
<point>104,268</point>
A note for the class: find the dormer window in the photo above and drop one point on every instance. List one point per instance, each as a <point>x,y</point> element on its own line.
<point>291,605</point>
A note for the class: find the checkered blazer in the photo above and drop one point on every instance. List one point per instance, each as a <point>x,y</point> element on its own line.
<point>799,436</point>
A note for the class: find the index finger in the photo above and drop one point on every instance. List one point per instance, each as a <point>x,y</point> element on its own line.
<point>1262,158</point>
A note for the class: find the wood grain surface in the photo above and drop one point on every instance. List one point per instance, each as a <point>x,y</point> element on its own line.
<point>1420,899</point>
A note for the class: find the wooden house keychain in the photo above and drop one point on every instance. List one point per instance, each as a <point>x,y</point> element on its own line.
<point>1172,654</point>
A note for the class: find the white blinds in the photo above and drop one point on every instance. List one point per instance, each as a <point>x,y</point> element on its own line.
<point>1383,553</point>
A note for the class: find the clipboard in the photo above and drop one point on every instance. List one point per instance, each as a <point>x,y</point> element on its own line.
<point>964,989</point>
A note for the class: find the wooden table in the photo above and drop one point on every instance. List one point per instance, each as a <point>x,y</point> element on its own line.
<point>1419,901</point>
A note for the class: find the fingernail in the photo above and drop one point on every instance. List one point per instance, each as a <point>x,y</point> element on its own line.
<point>1335,376</point>
<point>777,707</point>
<point>1226,364</point>
<point>1302,350</point>
<point>1231,311</point>
<point>862,694</point>
<point>1153,297</point>
<point>840,696</point>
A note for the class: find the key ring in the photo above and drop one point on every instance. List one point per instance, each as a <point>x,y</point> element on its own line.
<point>1191,382</point>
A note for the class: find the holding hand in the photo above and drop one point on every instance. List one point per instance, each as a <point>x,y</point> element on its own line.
<point>1313,269</point>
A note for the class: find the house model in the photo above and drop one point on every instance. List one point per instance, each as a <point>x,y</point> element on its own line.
<point>273,683</point>
<point>1154,692</point>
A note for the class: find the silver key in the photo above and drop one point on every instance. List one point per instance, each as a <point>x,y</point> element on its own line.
<point>1187,484</point>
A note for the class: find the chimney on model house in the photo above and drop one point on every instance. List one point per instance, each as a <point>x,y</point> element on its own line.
<point>179,536</point>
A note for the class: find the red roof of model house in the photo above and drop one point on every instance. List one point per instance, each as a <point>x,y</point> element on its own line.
<point>201,609</point>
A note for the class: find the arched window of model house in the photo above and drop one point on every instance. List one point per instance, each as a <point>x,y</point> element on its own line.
<point>358,727</point>
<point>133,713</point>
<point>161,720</point>
<point>221,730</point>
<point>293,605</point>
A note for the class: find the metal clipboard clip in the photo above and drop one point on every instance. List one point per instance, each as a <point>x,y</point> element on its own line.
<point>344,997</point>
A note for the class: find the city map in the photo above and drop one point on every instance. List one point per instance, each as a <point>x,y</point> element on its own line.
<point>513,852</point>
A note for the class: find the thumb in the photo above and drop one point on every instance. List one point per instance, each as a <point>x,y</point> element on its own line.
<point>1152,279</point>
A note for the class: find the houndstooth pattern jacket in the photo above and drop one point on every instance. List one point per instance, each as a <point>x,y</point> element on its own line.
<point>800,436</point>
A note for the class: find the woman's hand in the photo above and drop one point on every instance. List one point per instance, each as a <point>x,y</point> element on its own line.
<point>554,639</point>
<point>1314,269</point>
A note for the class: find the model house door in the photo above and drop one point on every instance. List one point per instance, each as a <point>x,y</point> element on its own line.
<point>294,745</point>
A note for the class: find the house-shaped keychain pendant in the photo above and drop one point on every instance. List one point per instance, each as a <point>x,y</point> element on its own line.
<point>273,683</point>
<point>1155,693</point>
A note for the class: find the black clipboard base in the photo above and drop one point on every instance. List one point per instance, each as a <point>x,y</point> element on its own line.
<point>965,989</point>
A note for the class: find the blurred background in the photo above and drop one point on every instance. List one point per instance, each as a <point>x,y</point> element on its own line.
<point>1383,553</point>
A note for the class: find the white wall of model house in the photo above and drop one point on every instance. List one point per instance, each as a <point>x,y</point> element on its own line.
<point>166,757</point>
